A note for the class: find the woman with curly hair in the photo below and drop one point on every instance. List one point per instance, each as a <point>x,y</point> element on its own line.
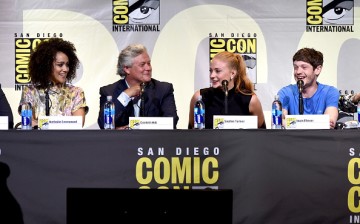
<point>52,67</point>
<point>242,99</point>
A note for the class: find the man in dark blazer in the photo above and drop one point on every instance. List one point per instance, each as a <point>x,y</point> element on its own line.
<point>5,109</point>
<point>137,93</point>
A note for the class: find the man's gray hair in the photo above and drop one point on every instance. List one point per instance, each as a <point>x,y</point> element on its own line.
<point>126,57</point>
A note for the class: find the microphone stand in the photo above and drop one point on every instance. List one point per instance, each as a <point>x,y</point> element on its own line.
<point>225,87</point>
<point>301,104</point>
<point>47,104</point>
<point>300,84</point>
<point>142,100</point>
<point>226,102</point>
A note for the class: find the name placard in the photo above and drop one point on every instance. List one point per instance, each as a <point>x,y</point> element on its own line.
<point>4,123</point>
<point>235,122</point>
<point>316,121</point>
<point>60,122</point>
<point>146,123</point>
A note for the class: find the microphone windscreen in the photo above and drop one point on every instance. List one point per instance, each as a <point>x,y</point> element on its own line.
<point>224,82</point>
<point>142,86</point>
<point>300,83</point>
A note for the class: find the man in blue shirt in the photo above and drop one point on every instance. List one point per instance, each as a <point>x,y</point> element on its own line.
<point>317,98</point>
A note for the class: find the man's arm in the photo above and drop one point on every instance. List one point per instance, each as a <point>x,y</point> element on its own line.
<point>332,102</point>
<point>333,114</point>
<point>355,98</point>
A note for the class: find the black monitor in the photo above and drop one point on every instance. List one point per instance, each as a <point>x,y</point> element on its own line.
<point>118,205</point>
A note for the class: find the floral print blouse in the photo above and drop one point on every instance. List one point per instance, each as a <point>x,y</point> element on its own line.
<point>62,100</point>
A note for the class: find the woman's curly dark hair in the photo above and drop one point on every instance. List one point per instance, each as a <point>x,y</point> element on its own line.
<point>42,58</point>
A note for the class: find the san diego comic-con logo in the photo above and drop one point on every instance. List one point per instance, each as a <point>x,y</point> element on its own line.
<point>136,15</point>
<point>178,168</point>
<point>241,43</point>
<point>25,43</point>
<point>353,176</point>
<point>329,15</point>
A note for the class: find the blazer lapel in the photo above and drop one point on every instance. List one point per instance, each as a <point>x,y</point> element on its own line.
<point>149,96</point>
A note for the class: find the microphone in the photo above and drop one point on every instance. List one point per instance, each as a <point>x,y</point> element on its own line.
<point>300,85</point>
<point>142,99</point>
<point>142,88</point>
<point>224,84</point>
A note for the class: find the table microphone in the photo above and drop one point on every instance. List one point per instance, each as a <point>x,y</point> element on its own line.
<point>224,84</point>
<point>300,85</point>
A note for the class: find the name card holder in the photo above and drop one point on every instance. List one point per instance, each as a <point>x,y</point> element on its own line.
<point>151,123</point>
<point>60,122</point>
<point>235,122</point>
<point>316,121</point>
<point>4,123</point>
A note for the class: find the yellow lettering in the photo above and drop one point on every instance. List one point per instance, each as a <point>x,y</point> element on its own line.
<point>189,170</point>
<point>22,43</point>
<point>314,2</point>
<point>206,167</point>
<point>196,171</point>
<point>120,10</point>
<point>162,164</point>
<point>234,45</point>
<point>314,12</point>
<point>216,46</point>
<point>146,164</point>
<point>181,173</point>
<point>354,177</point>
<point>314,20</point>
<point>352,196</point>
